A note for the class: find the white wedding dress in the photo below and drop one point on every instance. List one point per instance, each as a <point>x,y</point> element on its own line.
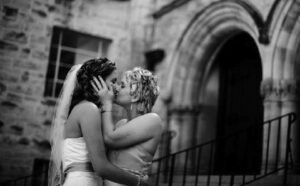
<point>77,165</point>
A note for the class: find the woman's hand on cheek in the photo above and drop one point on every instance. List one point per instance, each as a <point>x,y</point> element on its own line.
<point>105,94</point>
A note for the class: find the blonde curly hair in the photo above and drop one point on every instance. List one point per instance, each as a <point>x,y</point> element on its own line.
<point>144,85</point>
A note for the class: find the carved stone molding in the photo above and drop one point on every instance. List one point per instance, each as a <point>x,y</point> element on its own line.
<point>280,89</point>
<point>191,109</point>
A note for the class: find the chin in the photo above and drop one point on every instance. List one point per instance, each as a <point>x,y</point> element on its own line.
<point>118,102</point>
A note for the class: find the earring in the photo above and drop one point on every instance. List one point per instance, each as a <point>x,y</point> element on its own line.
<point>130,106</point>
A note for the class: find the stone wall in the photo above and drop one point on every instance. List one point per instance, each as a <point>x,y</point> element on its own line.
<point>25,36</point>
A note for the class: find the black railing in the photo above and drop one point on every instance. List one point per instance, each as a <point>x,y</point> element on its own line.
<point>38,179</point>
<point>198,165</point>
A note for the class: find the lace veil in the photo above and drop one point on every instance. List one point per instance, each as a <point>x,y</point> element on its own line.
<point>57,129</point>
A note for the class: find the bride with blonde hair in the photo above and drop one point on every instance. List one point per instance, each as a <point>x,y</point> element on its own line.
<point>131,142</point>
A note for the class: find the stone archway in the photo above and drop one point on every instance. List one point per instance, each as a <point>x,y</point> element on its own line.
<point>281,85</point>
<point>191,66</point>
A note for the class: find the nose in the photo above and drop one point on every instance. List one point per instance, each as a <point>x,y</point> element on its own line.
<point>117,86</point>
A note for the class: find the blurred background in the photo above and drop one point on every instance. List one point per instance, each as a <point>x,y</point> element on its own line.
<point>225,67</point>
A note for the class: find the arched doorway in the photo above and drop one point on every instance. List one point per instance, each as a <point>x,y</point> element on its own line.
<point>239,107</point>
<point>195,80</point>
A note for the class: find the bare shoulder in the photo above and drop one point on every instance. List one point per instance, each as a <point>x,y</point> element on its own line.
<point>86,106</point>
<point>86,109</point>
<point>88,114</point>
<point>153,118</point>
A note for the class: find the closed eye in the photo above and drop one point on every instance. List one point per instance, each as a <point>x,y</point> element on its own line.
<point>114,80</point>
<point>122,84</point>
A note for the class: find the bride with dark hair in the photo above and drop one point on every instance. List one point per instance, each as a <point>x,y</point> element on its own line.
<point>78,154</point>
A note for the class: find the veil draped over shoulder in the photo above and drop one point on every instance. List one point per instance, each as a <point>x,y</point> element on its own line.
<point>55,177</point>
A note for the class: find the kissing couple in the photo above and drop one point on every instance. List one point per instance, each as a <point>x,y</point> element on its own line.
<point>88,147</point>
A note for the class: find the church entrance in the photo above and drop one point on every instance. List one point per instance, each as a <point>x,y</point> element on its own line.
<point>240,108</point>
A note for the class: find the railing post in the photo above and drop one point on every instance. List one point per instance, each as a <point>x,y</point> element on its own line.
<point>210,163</point>
<point>288,139</point>
<point>158,172</point>
<point>268,146</point>
<point>278,143</point>
<point>172,170</point>
<point>185,167</point>
<point>46,178</point>
<point>198,164</point>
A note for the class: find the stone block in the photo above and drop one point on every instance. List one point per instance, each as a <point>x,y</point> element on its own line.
<point>47,122</point>
<point>30,91</point>
<point>44,111</point>
<point>24,141</point>
<point>40,13</point>
<point>25,76</point>
<point>10,13</point>
<point>40,55</point>
<point>39,44</point>
<point>51,8</point>
<point>5,62</point>
<point>8,47</point>
<point>13,25</point>
<point>17,129</point>
<point>48,103</point>
<point>9,139</point>
<point>9,104</point>
<point>14,97</point>
<point>21,4</point>
<point>3,88</point>
<point>42,144</point>
<point>15,36</point>
<point>9,76</point>
<point>24,53</point>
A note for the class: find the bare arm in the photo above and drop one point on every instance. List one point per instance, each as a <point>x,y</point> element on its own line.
<point>92,133</point>
<point>136,131</point>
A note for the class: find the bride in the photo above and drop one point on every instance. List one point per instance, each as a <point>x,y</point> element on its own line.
<point>78,154</point>
<point>131,142</point>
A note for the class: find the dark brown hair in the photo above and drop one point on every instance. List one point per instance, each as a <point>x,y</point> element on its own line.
<point>83,89</point>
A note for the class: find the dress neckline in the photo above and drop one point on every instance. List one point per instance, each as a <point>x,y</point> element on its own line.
<point>78,138</point>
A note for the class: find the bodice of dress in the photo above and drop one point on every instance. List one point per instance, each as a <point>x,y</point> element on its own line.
<point>134,158</point>
<point>74,151</point>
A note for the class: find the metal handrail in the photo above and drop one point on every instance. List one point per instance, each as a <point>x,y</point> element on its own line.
<point>168,171</point>
<point>28,180</point>
<point>223,138</point>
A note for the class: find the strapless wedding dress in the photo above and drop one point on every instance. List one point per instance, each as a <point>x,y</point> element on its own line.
<point>77,164</point>
<point>133,159</point>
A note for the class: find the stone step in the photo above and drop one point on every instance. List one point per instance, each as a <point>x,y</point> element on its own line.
<point>277,180</point>
<point>272,180</point>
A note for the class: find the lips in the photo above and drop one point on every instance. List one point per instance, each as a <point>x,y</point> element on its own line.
<point>115,90</point>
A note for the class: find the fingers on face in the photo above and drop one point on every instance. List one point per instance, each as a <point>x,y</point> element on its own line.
<point>101,80</point>
<point>97,83</point>
<point>94,86</point>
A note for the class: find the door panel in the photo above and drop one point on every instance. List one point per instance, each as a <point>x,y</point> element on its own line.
<point>240,109</point>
